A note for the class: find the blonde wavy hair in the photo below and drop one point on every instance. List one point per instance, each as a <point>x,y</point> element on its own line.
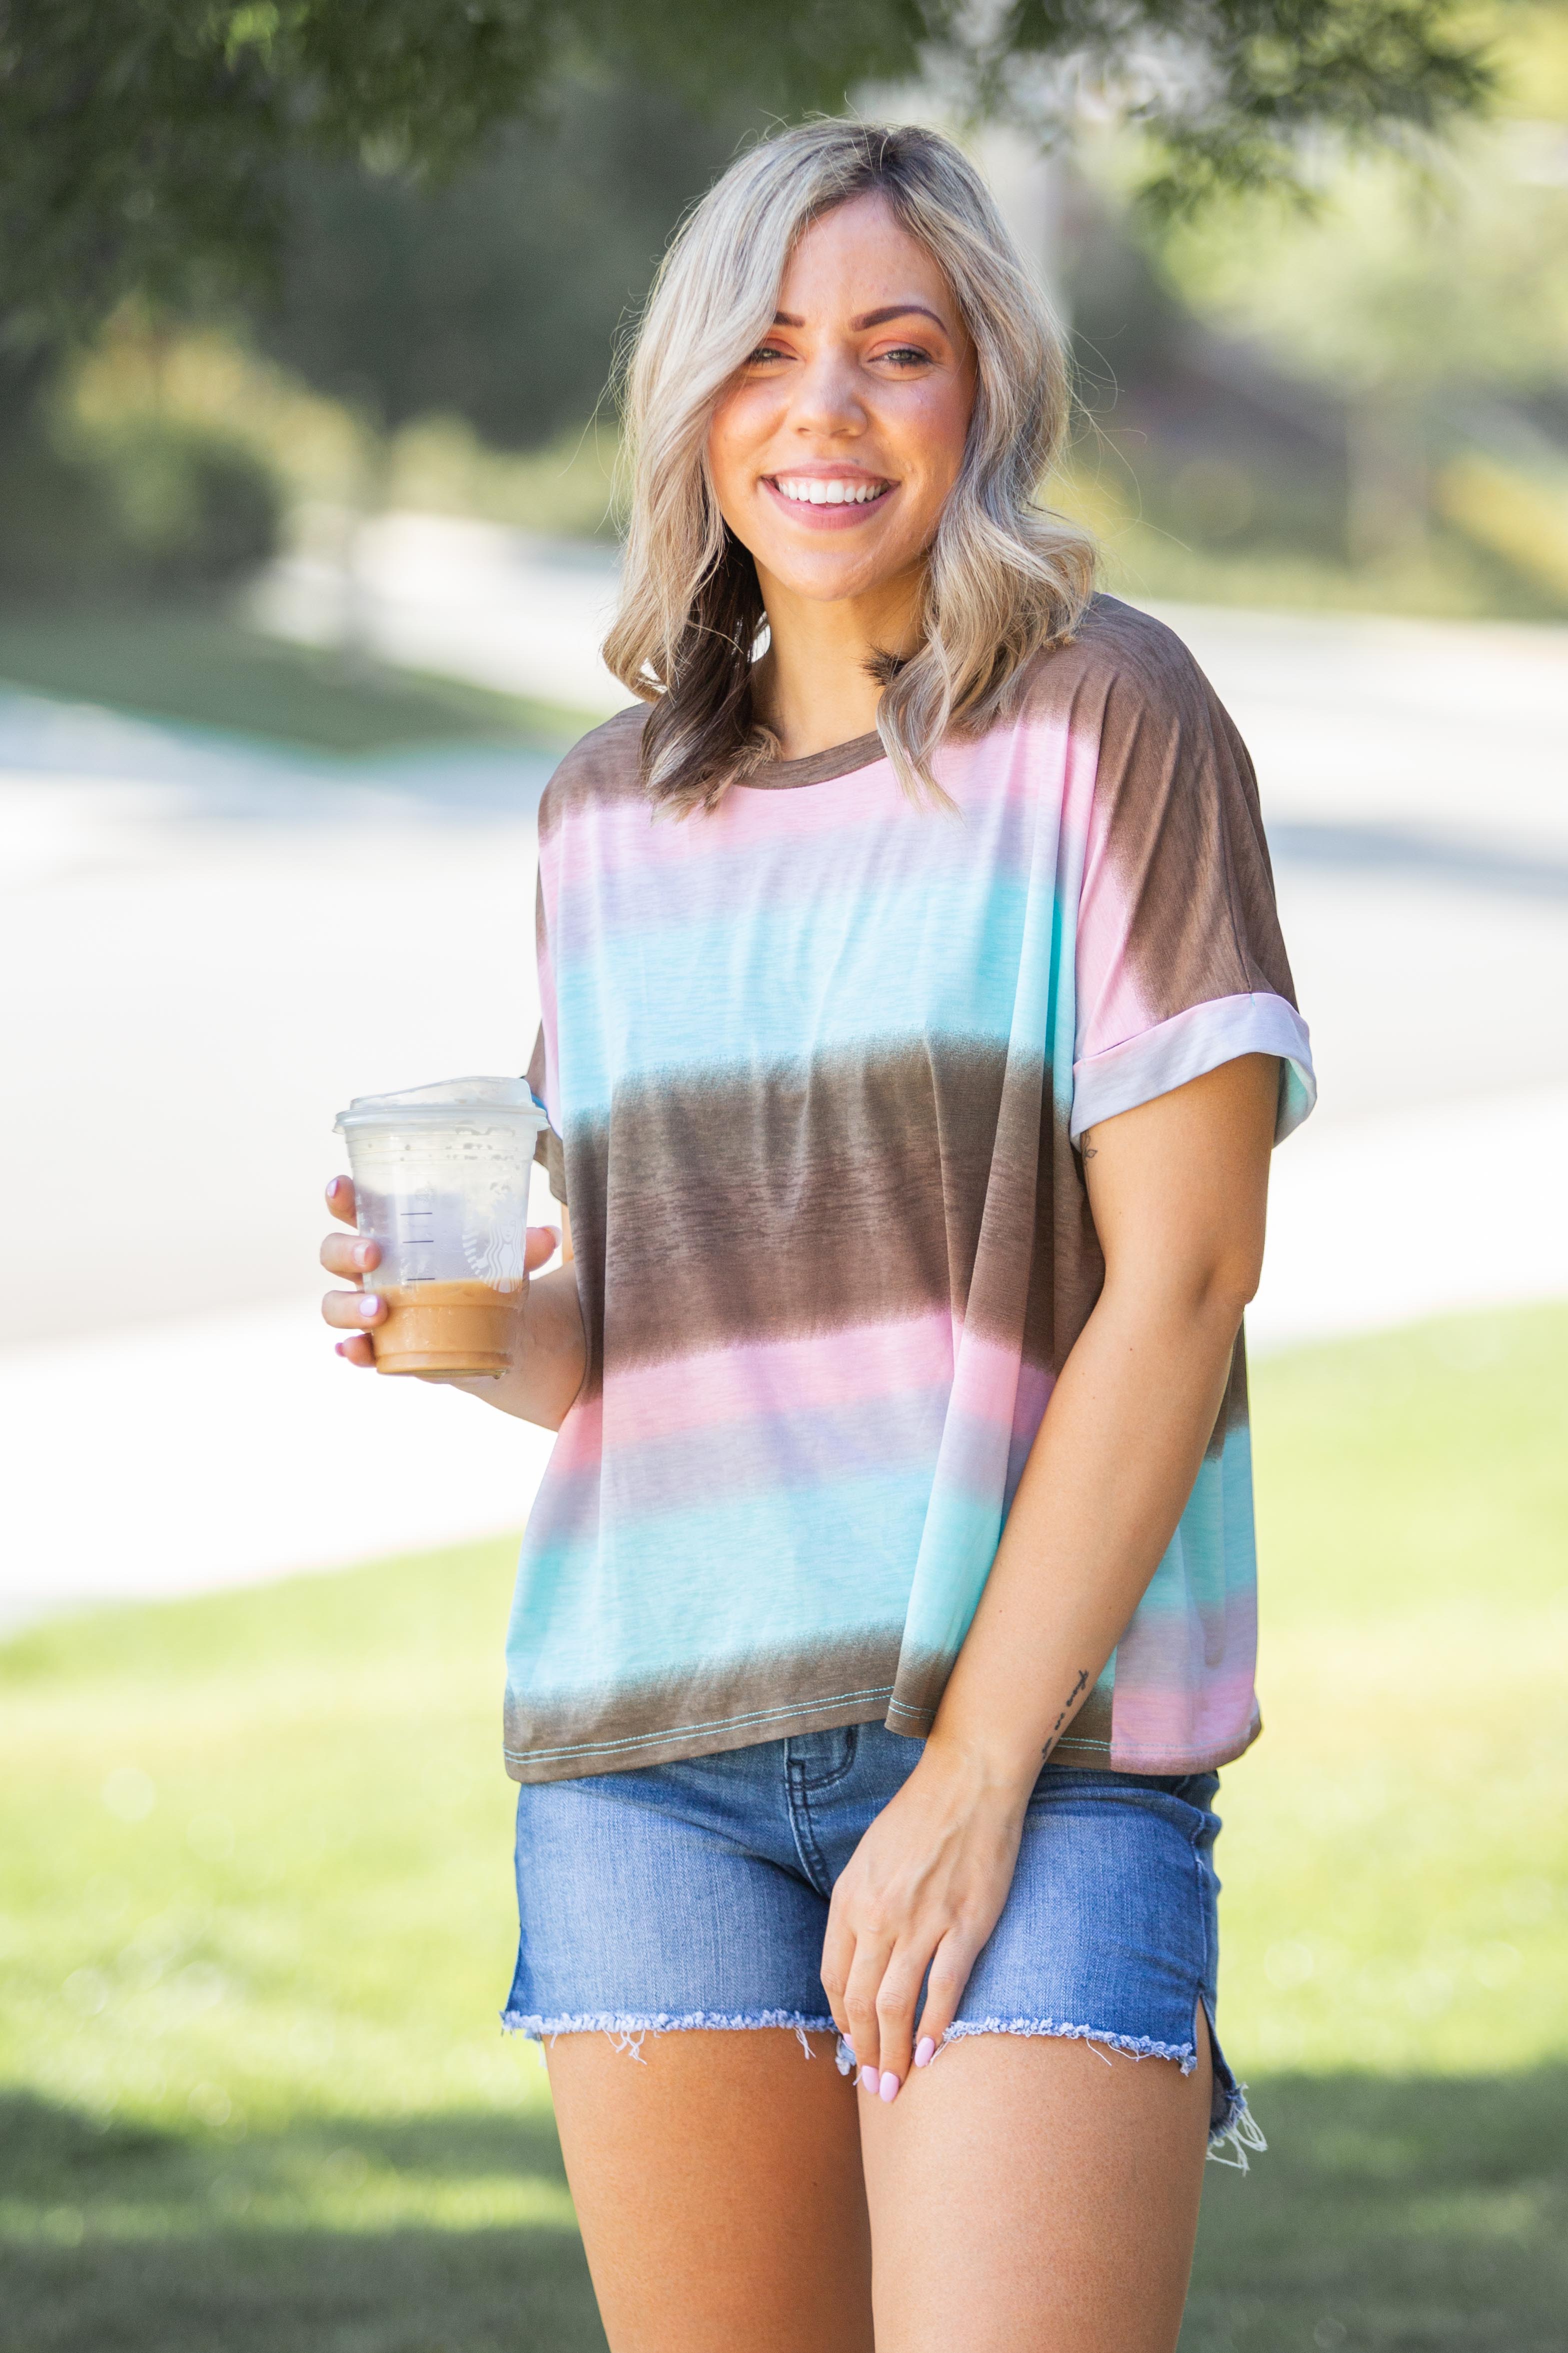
<point>1005,576</point>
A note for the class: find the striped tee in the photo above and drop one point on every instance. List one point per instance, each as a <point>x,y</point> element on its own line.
<point>816,1064</point>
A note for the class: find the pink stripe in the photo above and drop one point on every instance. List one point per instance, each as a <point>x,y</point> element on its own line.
<point>1035,1383</point>
<point>728,1385</point>
<point>1110,1004</point>
<point>605,872</point>
<point>739,1384</point>
<point>547,1021</point>
<point>579,1442</point>
<point>1166,1701</point>
<point>628,835</point>
<point>985,1379</point>
<point>1080,773</point>
<point>1165,1734</point>
<point>993,1411</point>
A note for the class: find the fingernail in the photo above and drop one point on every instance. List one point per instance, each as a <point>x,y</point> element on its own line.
<point>889,2085</point>
<point>338,1348</point>
<point>869,2079</point>
<point>368,1307</point>
<point>332,1188</point>
<point>362,1253</point>
<point>925,2052</point>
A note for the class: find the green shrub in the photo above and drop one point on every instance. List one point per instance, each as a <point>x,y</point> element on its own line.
<point>150,506</point>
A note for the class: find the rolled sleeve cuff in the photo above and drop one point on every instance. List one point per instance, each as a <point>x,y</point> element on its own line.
<point>1188,1044</point>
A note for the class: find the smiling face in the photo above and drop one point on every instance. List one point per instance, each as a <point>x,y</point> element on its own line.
<point>836,446</point>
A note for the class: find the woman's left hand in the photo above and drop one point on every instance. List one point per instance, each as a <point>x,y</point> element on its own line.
<point>923,1890</point>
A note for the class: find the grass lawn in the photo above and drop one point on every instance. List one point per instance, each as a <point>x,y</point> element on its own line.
<point>210,672</point>
<point>257,1926</point>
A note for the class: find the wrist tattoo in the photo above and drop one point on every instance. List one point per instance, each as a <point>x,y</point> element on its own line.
<point>1066,1710</point>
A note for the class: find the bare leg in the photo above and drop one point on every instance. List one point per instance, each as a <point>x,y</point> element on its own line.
<point>1033,2196</point>
<point>717,2184</point>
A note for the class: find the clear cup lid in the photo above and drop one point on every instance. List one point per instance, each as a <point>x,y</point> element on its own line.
<point>445,1101</point>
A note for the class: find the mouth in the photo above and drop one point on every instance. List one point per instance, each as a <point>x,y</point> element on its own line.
<point>831,499</point>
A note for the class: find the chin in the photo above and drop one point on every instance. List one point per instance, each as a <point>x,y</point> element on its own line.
<point>827,581</point>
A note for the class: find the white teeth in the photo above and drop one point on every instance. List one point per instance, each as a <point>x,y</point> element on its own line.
<point>811,490</point>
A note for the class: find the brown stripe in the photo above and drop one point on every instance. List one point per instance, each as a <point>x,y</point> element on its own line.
<point>703,1710</point>
<point>1184,830</point>
<point>922,1679</point>
<point>602,768</point>
<point>547,1149</point>
<point>811,1196</point>
<point>709,1709</point>
<point>1232,1407</point>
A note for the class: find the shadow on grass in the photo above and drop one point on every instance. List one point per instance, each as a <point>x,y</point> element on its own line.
<point>138,2239</point>
<point>1395,2215</point>
<point>1392,2215</point>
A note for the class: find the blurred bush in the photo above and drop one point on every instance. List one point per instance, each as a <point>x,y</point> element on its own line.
<point>1362,398</point>
<point>570,489</point>
<point>1520,511</point>
<point>1359,402</point>
<point>140,505</point>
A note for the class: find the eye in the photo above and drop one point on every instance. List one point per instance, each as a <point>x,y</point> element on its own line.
<point>764,354</point>
<point>904,356</point>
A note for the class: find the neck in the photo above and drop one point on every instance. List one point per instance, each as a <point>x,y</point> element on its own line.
<point>814,686</point>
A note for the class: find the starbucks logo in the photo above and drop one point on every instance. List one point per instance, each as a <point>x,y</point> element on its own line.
<point>494,1248</point>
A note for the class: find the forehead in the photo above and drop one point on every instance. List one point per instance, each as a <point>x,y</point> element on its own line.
<point>859,256</point>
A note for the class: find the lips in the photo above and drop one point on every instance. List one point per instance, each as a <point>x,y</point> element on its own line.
<point>828,502</point>
<point>830,490</point>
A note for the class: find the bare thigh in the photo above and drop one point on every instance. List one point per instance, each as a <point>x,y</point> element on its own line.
<point>1036,2195</point>
<point>717,2184</point>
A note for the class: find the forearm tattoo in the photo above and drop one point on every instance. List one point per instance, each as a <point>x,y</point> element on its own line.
<point>1066,1708</point>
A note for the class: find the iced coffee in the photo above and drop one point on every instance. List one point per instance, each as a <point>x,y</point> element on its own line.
<point>441,1176</point>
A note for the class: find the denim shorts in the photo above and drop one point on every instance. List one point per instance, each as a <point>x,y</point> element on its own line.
<point>695,1895</point>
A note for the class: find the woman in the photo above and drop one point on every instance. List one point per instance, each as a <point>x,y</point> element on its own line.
<point>916,1028</point>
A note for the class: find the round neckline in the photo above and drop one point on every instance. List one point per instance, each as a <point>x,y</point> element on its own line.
<point>817,767</point>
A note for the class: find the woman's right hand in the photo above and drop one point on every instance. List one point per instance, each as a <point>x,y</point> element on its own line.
<point>351,1255</point>
<point>540,1389</point>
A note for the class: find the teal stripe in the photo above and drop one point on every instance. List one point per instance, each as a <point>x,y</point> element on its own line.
<point>677,1591</point>
<point>719,994</point>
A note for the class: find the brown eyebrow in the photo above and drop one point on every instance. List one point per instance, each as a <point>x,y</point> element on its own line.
<point>869,318</point>
<point>897,310</point>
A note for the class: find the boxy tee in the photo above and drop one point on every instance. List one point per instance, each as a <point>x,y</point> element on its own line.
<point>816,1064</point>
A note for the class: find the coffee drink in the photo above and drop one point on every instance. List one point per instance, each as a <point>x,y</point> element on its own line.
<point>445,1329</point>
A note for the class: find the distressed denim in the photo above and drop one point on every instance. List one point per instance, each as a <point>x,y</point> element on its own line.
<point>694,1896</point>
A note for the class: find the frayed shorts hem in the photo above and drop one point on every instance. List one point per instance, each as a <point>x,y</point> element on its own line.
<point>1135,2046</point>
<point>1235,2129</point>
<point>629,2022</point>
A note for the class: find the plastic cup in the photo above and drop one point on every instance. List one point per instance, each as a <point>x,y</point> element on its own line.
<point>441,1176</point>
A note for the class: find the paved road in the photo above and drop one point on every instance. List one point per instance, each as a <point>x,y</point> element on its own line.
<point>215,947</point>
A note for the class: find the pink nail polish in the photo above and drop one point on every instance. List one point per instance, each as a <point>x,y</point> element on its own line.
<point>925,2052</point>
<point>889,2085</point>
<point>368,1306</point>
<point>338,1348</point>
<point>869,2079</point>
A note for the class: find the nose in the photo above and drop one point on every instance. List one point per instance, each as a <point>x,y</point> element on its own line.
<point>826,397</point>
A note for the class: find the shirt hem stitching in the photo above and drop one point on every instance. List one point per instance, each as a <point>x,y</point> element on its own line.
<point>689,1731</point>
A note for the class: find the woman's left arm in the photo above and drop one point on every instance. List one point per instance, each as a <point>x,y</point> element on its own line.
<point>1178,1188</point>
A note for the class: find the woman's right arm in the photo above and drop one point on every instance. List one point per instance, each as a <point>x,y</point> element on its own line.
<point>549,1356</point>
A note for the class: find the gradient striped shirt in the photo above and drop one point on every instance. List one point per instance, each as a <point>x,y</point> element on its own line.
<point>816,1064</point>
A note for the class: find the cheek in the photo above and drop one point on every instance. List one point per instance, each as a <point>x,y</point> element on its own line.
<point>950,425</point>
<point>741,425</point>
<point>937,431</point>
<point>720,457</point>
